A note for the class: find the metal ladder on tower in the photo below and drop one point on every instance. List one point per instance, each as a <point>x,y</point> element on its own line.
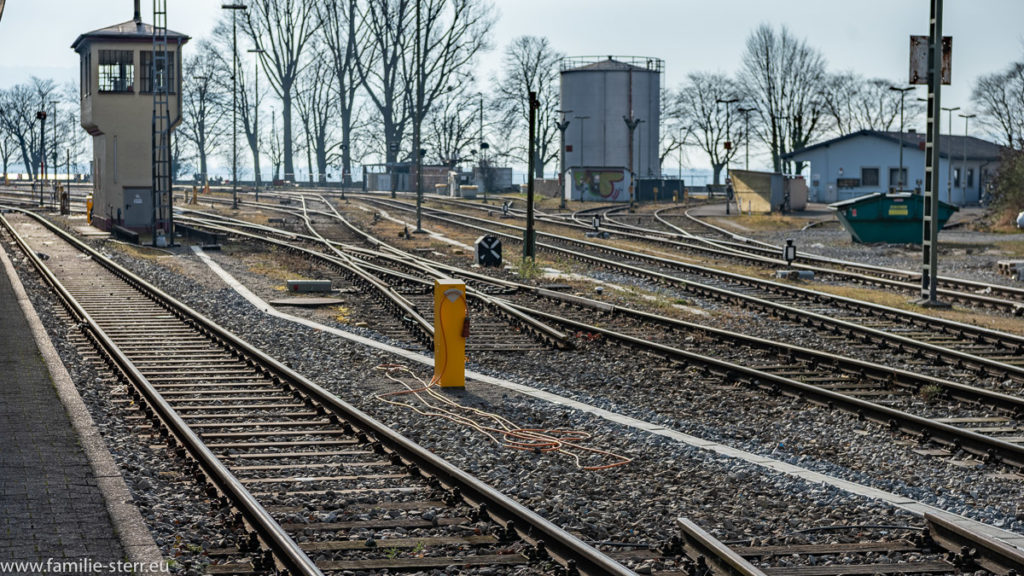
<point>161,78</point>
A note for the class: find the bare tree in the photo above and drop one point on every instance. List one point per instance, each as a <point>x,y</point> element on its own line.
<point>383,67</point>
<point>451,130</point>
<point>453,32</point>
<point>8,143</point>
<point>19,104</point>
<point>282,28</point>
<point>784,77</point>
<point>343,34</point>
<point>854,103</point>
<point>711,122</point>
<point>315,99</point>
<point>674,131</point>
<point>530,65</point>
<point>247,96</point>
<point>205,104</point>
<point>276,150</point>
<point>1000,100</point>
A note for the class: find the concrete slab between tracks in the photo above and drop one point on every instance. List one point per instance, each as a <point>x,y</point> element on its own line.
<point>62,497</point>
<point>915,507</point>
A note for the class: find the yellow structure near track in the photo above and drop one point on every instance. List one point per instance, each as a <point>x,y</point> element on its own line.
<point>451,328</point>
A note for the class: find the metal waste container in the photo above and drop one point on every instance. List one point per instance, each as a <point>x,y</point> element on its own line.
<point>892,218</point>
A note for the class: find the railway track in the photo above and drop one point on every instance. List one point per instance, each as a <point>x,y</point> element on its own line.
<point>940,547</point>
<point>276,447</point>
<point>942,342</point>
<point>774,560</point>
<point>689,234</point>
<point>956,416</point>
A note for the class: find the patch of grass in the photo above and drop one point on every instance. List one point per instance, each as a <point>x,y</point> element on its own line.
<point>342,315</point>
<point>529,269</point>
<point>931,392</point>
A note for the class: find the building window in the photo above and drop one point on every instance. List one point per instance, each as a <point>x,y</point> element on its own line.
<point>146,71</point>
<point>869,176</point>
<point>895,181</point>
<point>117,71</point>
<point>970,177</point>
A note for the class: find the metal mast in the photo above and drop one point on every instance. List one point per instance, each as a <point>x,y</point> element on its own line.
<point>162,198</point>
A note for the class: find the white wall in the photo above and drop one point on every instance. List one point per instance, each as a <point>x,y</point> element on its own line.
<point>847,158</point>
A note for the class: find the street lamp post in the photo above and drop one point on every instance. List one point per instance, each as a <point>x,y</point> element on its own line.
<point>728,130</point>
<point>746,133</point>
<point>53,152</point>
<point>41,116</point>
<point>562,126</point>
<point>963,167</point>
<point>949,155</point>
<point>256,118</point>
<point>234,100</point>
<point>903,94</point>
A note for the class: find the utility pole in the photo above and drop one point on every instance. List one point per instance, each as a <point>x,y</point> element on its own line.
<point>728,130</point>
<point>417,157</point>
<point>929,241</point>
<point>530,241</point>
<point>256,118</point>
<point>234,100</point>
<point>746,133</point>
<point>562,126</point>
<point>41,116</point>
<point>963,167</point>
<point>631,124</point>
<point>949,155</point>
<point>903,94</point>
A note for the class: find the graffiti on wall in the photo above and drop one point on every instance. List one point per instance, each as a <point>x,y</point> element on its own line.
<point>600,185</point>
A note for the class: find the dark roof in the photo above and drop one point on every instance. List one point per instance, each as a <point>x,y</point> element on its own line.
<point>131,31</point>
<point>977,149</point>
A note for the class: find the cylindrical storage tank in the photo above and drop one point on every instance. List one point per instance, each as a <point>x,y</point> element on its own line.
<point>598,95</point>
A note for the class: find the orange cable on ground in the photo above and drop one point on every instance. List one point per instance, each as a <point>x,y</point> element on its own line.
<point>511,436</point>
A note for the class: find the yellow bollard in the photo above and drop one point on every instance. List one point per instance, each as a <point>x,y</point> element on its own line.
<point>451,328</point>
<point>88,208</point>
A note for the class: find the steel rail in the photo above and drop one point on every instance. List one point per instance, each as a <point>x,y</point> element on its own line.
<point>286,550</point>
<point>700,544</point>
<point>990,554</point>
<point>909,275</point>
<point>973,442</point>
<point>530,526</point>
<point>894,375</point>
<point>937,352</point>
<point>768,255</point>
<point>553,336</point>
<point>386,250</point>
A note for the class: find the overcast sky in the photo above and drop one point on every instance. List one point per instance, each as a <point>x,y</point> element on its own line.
<point>870,37</point>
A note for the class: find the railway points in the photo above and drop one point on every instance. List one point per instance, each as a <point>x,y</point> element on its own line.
<point>598,401</point>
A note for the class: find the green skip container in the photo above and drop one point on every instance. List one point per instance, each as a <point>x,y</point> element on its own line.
<point>892,218</point>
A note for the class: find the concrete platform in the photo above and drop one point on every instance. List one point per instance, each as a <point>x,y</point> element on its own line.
<point>63,502</point>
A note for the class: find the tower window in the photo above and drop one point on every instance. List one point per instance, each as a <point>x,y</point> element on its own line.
<point>117,71</point>
<point>162,78</point>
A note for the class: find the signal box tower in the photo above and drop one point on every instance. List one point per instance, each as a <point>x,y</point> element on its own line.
<point>131,103</point>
